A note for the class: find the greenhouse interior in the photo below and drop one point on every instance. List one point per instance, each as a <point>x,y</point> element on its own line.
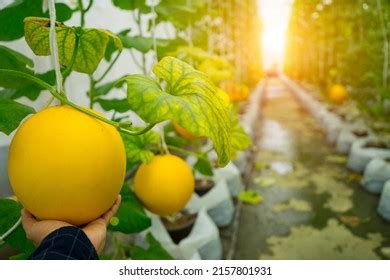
<point>195,129</point>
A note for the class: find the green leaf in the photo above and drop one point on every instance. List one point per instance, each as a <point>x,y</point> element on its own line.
<point>10,59</point>
<point>103,89</point>
<point>190,99</point>
<point>240,140</point>
<point>7,93</point>
<point>11,114</point>
<point>139,43</point>
<point>132,5</point>
<point>138,147</point>
<point>131,217</point>
<point>91,43</point>
<point>250,197</point>
<point>154,251</point>
<point>12,16</point>
<point>203,166</point>
<point>119,105</point>
<point>179,12</point>
<point>32,91</point>
<point>169,47</point>
<point>10,213</point>
<point>264,182</point>
<point>142,44</point>
<point>111,47</point>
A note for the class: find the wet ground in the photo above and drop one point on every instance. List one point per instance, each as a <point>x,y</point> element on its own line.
<point>313,207</point>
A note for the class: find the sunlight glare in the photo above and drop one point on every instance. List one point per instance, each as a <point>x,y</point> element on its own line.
<point>275,17</point>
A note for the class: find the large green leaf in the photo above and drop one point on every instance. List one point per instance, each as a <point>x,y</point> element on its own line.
<point>11,114</point>
<point>131,217</point>
<point>138,147</point>
<point>9,215</point>
<point>154,251</point>
<point>190,99</point>
<point>90,49</point>
<point>11,17</point>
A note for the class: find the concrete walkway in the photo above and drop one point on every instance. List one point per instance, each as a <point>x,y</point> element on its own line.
<point>313,207</point>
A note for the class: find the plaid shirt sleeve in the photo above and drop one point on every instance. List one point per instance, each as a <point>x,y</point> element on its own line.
<point>67,243</point>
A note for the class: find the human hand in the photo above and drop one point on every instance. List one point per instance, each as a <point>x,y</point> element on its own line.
<point>96,230</point>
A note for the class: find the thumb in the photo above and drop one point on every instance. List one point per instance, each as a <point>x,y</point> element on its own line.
<point>28,220</point>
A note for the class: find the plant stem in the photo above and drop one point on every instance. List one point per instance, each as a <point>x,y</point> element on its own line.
<point>135,59</point>
<point>385,44</point>
<point>82,12</point>
<point>92,90</point>
<point>138,20</point>
<point>64,100</point>
<point>89,6</point>
<point>183,151</point>
<point>109,68</point>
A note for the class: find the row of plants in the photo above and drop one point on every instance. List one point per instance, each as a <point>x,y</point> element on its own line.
<point>343,43</point>
<point>190,101</point>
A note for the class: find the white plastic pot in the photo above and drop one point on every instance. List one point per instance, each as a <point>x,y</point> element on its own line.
<point>377,172</point>
<point>203,242</point>
<point>232,176</point>
<point>217,202</point>
<point>360,155</point>
<point>384,202</point>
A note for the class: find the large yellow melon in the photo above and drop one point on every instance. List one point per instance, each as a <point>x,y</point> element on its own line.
<point>65,165</point>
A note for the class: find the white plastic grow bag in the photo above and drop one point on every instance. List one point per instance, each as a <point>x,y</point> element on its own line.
<point>333,125</point>
<point>217,202</point>
<point>232,175</point>
<point>203,242</point>
<point>360,156</point>
<point>346,137</point>
<point>241,161</point>
<point>377,172</point>
<point>384,202</point>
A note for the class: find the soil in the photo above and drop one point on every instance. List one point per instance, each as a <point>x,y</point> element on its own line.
<point>360,133</point>
<point>376,144</point>
<point>181,227</point>
<point>203,186</point>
